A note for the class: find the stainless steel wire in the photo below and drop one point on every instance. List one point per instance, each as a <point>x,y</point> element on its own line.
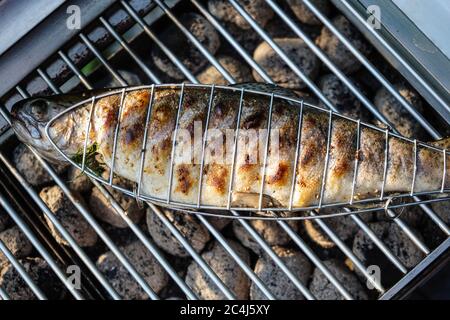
<point>21,271</point>
<point>40,248</point>
<point>4,295</point>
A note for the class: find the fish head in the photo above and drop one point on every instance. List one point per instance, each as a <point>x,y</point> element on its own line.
<point>29,121</point>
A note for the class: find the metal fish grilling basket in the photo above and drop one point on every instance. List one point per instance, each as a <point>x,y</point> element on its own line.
<point>384,201</point>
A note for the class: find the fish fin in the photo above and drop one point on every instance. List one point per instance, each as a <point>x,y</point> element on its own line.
<point>442,143</point>
<point>251,200</point>
<point>266,87</point>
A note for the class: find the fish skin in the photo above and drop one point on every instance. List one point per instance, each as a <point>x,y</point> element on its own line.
<point>248,176</point>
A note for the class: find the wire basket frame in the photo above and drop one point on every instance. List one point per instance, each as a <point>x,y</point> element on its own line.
<point>260,212</point>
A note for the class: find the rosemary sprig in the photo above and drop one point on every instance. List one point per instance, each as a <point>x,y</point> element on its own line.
<point>91,161</point>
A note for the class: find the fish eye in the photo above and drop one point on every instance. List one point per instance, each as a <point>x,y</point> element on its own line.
<point>39,109</point>
<point>34,132</point>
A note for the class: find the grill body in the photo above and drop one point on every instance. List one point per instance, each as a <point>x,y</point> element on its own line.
<point>109,33</point>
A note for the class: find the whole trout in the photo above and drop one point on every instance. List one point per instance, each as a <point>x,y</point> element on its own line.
<point>232,147</point>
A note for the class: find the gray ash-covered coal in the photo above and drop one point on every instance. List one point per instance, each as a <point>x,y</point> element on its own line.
<point>278,70</point>
<point>344,227</point>
<point>238,70</point>
<point>248,39</point>
<point>323,289</point>
<point>16,242</point>
<point>259,10</point>
<point>78,181</point>
<point>69,217</point>
<point>226,269</point>
<point>102,208</point>
<point>397,114</point>
<point>191,229</point>
<point>144,262</point>
<point>396,241</point>
<point>337,51</point>
<point>276,280</point>
<point>342,98</point>
<point>41,274</point>
<point>4,220</point>
<point>30,167</point>
<point>435,235</point>
<point>186,51</point>
<point>302,12</point>
<point>270,231</point>
<point>131,79</point>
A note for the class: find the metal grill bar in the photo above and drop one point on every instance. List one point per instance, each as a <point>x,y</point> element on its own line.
<point>349,253</point>
<point>66,235</point>
<point>21,271</point>
<point>233,42</point>
<point>100,57</point>
<point>86,139</point>
<point>395,54</point>
<point>326,61</point>
<point>355,172</point>
<point>281,53</point>
<point>39,247</point>
<point>158,42</point>
<point>144,141</point>
<point>300,286</point>
<point>385,164</point>
<point>327,159</point>
<point>297,153</point>
<point>315,259</point>
<point>248,271</point>
<point>194,40</point>
<point>444,174</point>
<point>74,69</point>
<point>415,167</point>
<point>124,45</point>
<point>116,135</point>
<point>372,69</point>
<point>236,137</point>
<point>222,287</point>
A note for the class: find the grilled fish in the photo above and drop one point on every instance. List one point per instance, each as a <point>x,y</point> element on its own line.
<point>298,155</point>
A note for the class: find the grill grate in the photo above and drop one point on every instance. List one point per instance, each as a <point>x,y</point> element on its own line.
<point>217,235</point>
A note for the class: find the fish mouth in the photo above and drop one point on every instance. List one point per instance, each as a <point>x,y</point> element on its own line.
<point>39,144</point>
